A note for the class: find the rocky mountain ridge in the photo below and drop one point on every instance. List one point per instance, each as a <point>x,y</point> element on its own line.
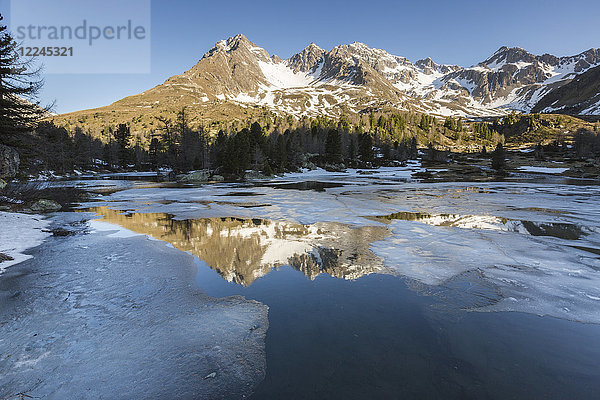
<point>236,74</point>
<point>580,96</point>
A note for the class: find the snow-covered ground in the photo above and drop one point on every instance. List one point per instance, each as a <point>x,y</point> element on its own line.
<point>20,232</point>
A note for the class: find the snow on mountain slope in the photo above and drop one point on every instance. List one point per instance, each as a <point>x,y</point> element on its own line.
<point>581,95</point>
<point>594,109</point>
<point>280,76</point>
<point>356,78</point>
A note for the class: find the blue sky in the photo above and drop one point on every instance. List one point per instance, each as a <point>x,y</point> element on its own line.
<point>459,32</point>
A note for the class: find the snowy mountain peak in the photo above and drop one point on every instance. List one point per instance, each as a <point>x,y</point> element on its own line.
<point>307,59</point>
<point>232,44</point>
<point>359,45</point>
<point>426,62</point>
<point>508,55</point>
<point>355,78</point>
<point>428,66</point>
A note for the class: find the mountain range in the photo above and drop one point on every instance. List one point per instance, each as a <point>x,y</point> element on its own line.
<point>237,76</point>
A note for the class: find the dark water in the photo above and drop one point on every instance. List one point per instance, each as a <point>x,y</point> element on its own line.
<point>304,185</point>
<point>379,338</point>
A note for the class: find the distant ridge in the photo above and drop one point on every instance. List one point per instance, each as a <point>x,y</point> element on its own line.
<point>237,78</point>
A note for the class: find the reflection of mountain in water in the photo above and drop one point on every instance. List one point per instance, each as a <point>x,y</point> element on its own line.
<point>488,222</point>
<point>242,250</point>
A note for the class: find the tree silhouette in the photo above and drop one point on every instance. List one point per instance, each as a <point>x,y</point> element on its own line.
<point>366,148</point>
<point>123,137</point>
<point>333,146</point>
<point>499,158</point>
<point>19,86</point>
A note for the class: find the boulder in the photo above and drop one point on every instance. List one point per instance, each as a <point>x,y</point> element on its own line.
<point>45,206</point>
<point>335,167</point>
<point>250,175</point>
<point>9,162</point>
<point>196,176</point>
<point>4,257</point>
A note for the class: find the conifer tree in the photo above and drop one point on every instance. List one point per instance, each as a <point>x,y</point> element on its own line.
<point>499,158</point>
<point>281,153</point>
<point>366,148</point>
<point>219,148</point>
<point>424,124</point>
<point>154,152</point>
<point>450,124</point>
<point>413,148</point>
<point>19,86</point>
<point>333,146</point>
<point>371,121</point>
<point>267,170</point>
<point>123,137</point>
<point>352,149</point>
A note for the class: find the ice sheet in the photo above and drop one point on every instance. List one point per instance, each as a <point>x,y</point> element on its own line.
<point>99,316</point>
<point>544,170</point>
<point>538,243</point>
<point>19,232</point>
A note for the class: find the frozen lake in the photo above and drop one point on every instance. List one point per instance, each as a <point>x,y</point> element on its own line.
<point>376,286</point>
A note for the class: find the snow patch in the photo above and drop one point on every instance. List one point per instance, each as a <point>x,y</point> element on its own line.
<point>281,76</point>
<point>543,170</point>
<point>20,232</point>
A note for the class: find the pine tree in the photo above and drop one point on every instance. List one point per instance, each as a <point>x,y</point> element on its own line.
<point>431,152</point>
<point>386,151</point>
<point>414,151</point>
<point>257,137</point>
<point>189,142</point>
<point>450,123</point>
<point>293,149</point>
<point>258,146</point>
<point>267,170</point>
<point>235,154</point>
<point>170,142</point>
<point>352,149</point>
<point>56,149</point>
<point>333,146</point>
<point>282,153</point>
<point>366,148</point>
<point>425,123</point>
<point>218,148</point>
<point>154,152</point>
<point>82,153</point>
<point>123,137</point>
<point>344,123</point>
<point>499,158</point>
<point>371,121</point>
<point>19,86</point>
